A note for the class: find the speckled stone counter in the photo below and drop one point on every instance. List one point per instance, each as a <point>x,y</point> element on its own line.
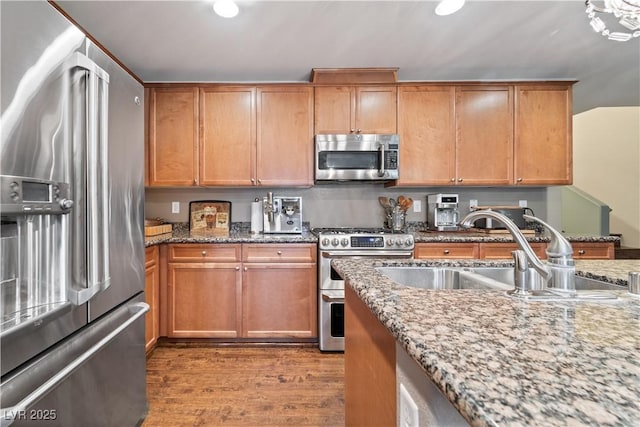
<point>239,233</point>
<point>503,361</point>
<point>478,236</point>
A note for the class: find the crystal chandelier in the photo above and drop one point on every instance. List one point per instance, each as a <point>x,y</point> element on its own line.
<point>626,11</point>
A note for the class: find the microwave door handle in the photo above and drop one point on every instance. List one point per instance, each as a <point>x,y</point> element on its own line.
<point>381,171</point>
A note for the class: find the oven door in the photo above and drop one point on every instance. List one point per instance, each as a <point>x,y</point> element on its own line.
<point>356,157</point>
<point>331,318</point>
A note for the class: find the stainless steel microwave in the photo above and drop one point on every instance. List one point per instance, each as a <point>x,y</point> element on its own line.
<point>357,157</point>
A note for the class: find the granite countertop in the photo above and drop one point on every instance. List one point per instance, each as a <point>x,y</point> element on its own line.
<point>240,233</point>
<point>503,361</point>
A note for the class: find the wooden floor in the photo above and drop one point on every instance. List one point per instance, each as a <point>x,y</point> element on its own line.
<point>244,386</point>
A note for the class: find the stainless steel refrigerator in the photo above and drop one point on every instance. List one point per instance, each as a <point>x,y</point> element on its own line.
<point>71,234</point>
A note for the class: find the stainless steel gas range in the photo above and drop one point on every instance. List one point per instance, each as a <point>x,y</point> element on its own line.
<point>336,243</point>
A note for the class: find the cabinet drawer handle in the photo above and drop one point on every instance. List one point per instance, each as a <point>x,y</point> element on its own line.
<point>204,253</point>
<point>446,251</point>
<point>582,252</point>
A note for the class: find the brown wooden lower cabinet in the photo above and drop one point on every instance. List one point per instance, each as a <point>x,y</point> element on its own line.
<point>445,250</point>
<point>369,367</point>
<point>235,291</point>
<point>151,292</point>
<point>502,250</point>
<point>204,300</point>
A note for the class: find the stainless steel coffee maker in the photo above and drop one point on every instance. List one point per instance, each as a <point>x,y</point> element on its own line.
<point>282,214</point>
<point>442,212</point>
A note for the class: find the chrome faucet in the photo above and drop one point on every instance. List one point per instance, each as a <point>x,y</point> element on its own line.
<point>559,271</point>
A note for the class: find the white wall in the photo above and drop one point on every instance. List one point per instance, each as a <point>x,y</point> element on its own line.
<point>606,164</point>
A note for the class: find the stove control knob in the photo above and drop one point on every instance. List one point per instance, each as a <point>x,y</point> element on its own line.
<point>389,242</point>
<point>335,241</point>
<point>345,241</point>
<point>325,242</point>
<point>408,242</point>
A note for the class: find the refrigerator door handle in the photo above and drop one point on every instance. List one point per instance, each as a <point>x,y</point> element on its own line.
<point>97,181</point>
<point>8,415</point>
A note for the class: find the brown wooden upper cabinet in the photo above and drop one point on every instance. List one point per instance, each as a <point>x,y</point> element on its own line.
<point>173,136</point>
<point>243,136</point>
<point>488,134</point>
<point>455,135</point>
<point>543,134</point>
<point>355,109</point>
<point>256,136</point>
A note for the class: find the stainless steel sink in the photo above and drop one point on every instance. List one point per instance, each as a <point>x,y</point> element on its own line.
<point>441,278</point>
<point>500,278</point>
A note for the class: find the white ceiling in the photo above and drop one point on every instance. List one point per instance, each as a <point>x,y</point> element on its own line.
<point>184,41</point>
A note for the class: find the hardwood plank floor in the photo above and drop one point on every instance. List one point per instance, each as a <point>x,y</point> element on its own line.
<point>244,386</point>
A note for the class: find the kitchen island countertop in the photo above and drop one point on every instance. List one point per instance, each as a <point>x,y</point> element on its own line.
<point>502,361</point>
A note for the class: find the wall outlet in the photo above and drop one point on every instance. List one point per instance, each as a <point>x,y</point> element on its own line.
<point>408,409</point>
<point>522,203</point>
<point>175,207</point>
<point>473,203</point>
<point>417,205</point>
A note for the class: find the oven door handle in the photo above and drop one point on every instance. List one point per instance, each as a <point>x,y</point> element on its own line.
<point>329,298</point>
<point>368,254</point>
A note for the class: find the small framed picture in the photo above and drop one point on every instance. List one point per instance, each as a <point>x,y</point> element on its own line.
<point>210,217</point>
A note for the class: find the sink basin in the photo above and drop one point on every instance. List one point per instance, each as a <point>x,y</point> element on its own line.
<point>500,278</point>
<point>441,278</point>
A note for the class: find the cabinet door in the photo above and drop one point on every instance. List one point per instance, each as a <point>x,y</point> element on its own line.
<point>227,136</point>
<point>427,135</point>
<point>445,250</point>
<point>285,136</point>
<point>173,136</point>
<point>543,142</point>
<point>151,293</point>
<point>204,300</point>
<point>334,110</point>
<point>484,135</point>
<point>279,300</point>
<point>376,109</point>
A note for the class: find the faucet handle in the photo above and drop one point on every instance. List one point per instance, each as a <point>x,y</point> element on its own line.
<point>559,246</point>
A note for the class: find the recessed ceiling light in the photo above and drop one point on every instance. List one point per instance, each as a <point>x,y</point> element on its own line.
<point>447,7</point>
<point>226,8</point>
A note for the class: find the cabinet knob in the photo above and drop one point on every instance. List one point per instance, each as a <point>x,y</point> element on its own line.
<point>453,180</point>
<point>279,252</point>
<point>195,181</point>
<point>246,269</point>
<point>519,179</point>
<point>253,180</point>
<point>460,179</point>
<point>237,268</point>
<point>582,252</point>
<point>259,181</point>
<point>358,130</point>
<point>446,251</point>
<point>204,253</point>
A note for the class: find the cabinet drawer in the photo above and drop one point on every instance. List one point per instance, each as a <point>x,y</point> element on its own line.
<point>446,250</point>
<point>266,252</point>
<point>593,250</point>
<point>503,250</point>
<point>219,252</point>
<point>150,256</point>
